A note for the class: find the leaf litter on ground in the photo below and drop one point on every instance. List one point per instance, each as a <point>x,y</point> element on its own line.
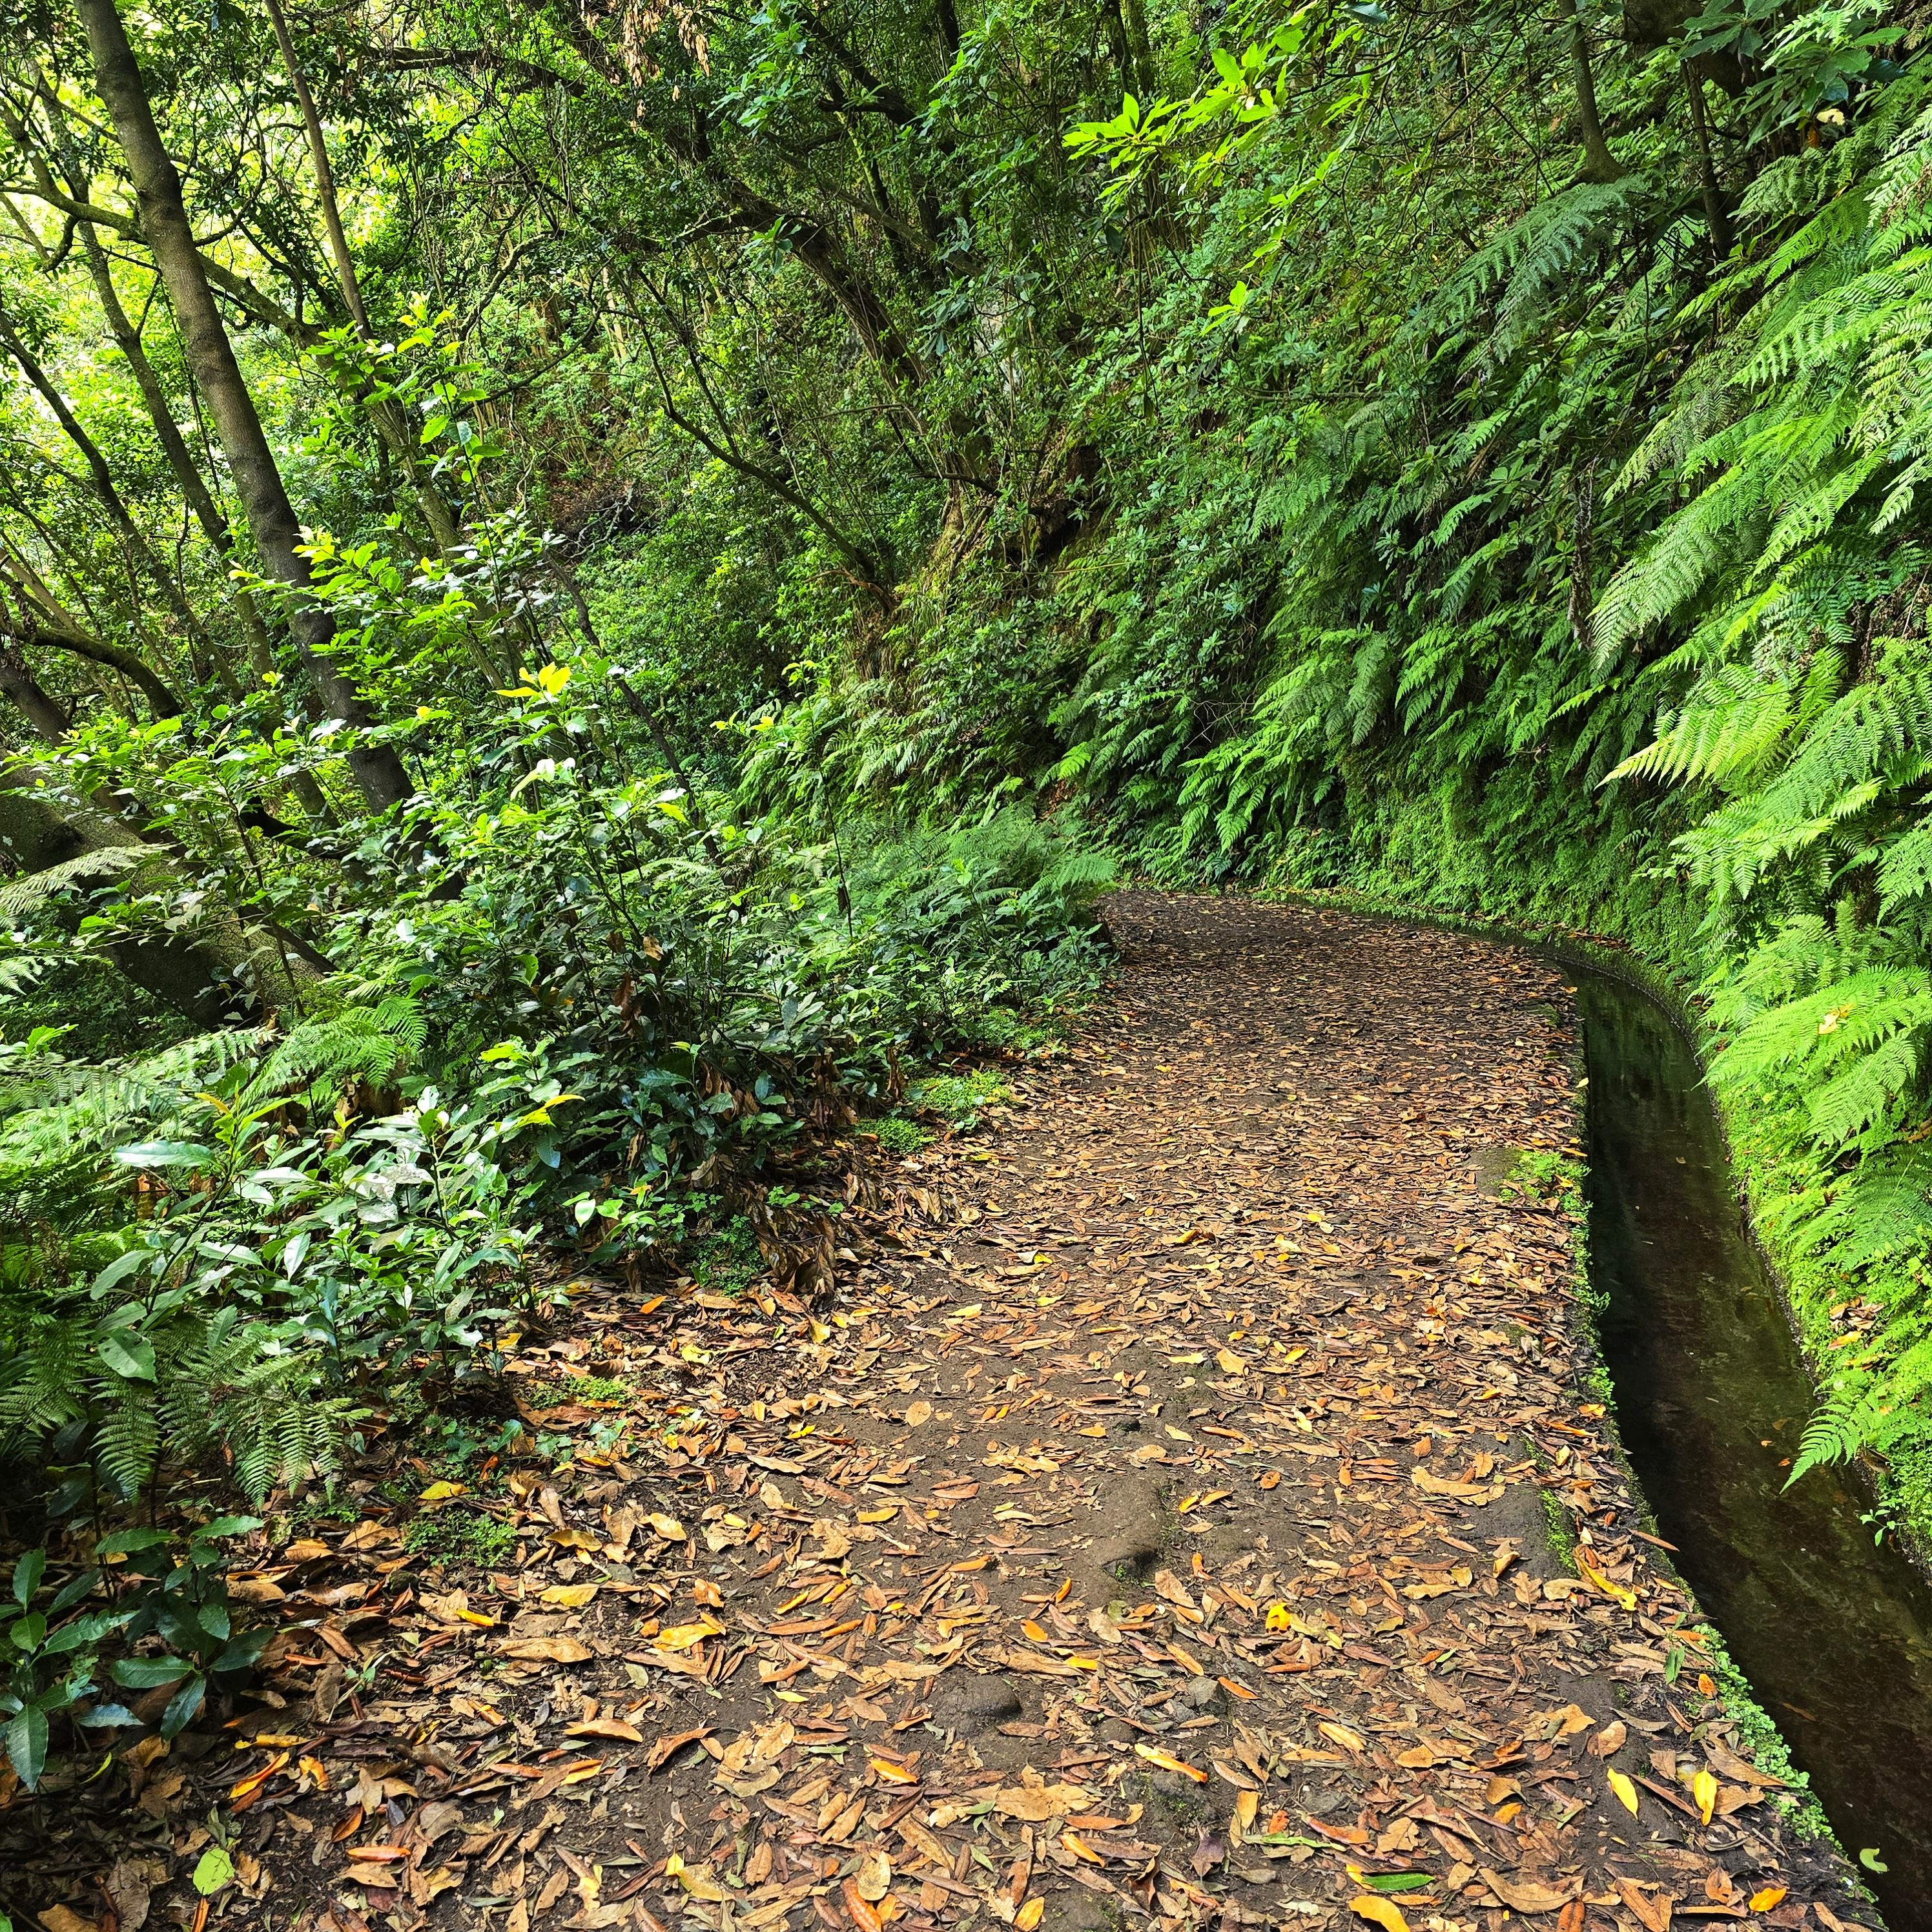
<point>1154,1526</point>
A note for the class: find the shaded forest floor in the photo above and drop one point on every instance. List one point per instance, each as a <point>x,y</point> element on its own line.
<point>1193,1506</point>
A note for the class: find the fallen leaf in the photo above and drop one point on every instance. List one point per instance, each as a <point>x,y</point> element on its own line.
<point>1625,1790</point>
<point>1653,1913</point>
<point>546,1650</point>
<point>661,1753</point>
<point>683,1637</point>
<point>860,1908</point>
<point>918,1415</point>
<point>696,1880</point>
<point>1379,1911</point>
<point>1525,1894</point>
<point>1166,1763</point>
<point>1034,1803</point>
<point>1441,1486</point>
<point>1772,1895</point>
<point>873,1875</point>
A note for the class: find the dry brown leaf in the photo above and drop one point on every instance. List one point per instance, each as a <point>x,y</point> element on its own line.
<point>873,1875</point>
<point>1033,1805</point>
<point>1526,1895</point>
<point>1650,1905</point>
<point>546,1650</point>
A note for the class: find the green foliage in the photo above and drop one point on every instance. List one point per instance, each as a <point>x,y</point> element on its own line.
<point>453,1534</point>
<point>959,1098</point>
<point>823,493</point>
<point>728,1261</point>
<point>896,1134</point>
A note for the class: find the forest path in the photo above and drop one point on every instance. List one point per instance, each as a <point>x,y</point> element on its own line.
<point>1172,1538</point>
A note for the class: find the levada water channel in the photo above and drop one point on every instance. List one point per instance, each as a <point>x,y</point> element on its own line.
<point>1834,1631</point>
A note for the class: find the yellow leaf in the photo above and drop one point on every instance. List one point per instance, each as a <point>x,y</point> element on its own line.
<point>1029,1914</point>
<point>1772,1895</point>
<point>685,1636</point>
<point>698,1882</point>
<point>668,1527</point>
<point>1035,1631</point>
<point>878,1515</point>
<point>1277,1616</point>
<point>1704,1788</point>
<point>1229,1362</point>
<point>441,1492</point>
<point>570,1596</point>
<point>1625,1790</point>
<point>1166,1763</point>
<point>1591,1574</point>
<point>1378,1911</point>
<point>1340,1734</point>
<point>890,1773</point>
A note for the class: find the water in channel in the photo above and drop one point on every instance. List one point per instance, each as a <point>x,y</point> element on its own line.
<point>1834,1634</point>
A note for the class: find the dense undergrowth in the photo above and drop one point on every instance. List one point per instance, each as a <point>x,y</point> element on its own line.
<point>580,589</point>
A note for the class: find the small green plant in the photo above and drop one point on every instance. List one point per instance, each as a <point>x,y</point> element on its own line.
<point>1544,1175</point>
<point>600,1388</point>
<point>728,1261</point>
<point>453,1535</point>
<point>896,1134</point>
<point>453,1445</point>
<point>53,1663</point>
<point>182,1600</point>
<point>960,1098</point>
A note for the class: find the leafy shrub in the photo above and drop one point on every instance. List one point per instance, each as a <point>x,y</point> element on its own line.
<point>896,1134</point>
<point>960,1098</point>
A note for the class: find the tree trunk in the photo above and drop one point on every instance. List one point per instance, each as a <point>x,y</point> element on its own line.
<point>1599,164</point>
<point>199,500</point>
<point>49,622</point>
<point>391,424</point>
<point>174,445</point>
<point>208,972</point>
<point>1716,215</point>
<point>258,482</point>
<point>117,512</point>
<point>38,706</point>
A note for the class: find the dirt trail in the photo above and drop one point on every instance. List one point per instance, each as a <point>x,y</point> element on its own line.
<point>1184,1536</point>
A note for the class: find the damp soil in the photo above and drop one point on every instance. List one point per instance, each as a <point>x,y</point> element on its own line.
<point>1833,1630</point>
